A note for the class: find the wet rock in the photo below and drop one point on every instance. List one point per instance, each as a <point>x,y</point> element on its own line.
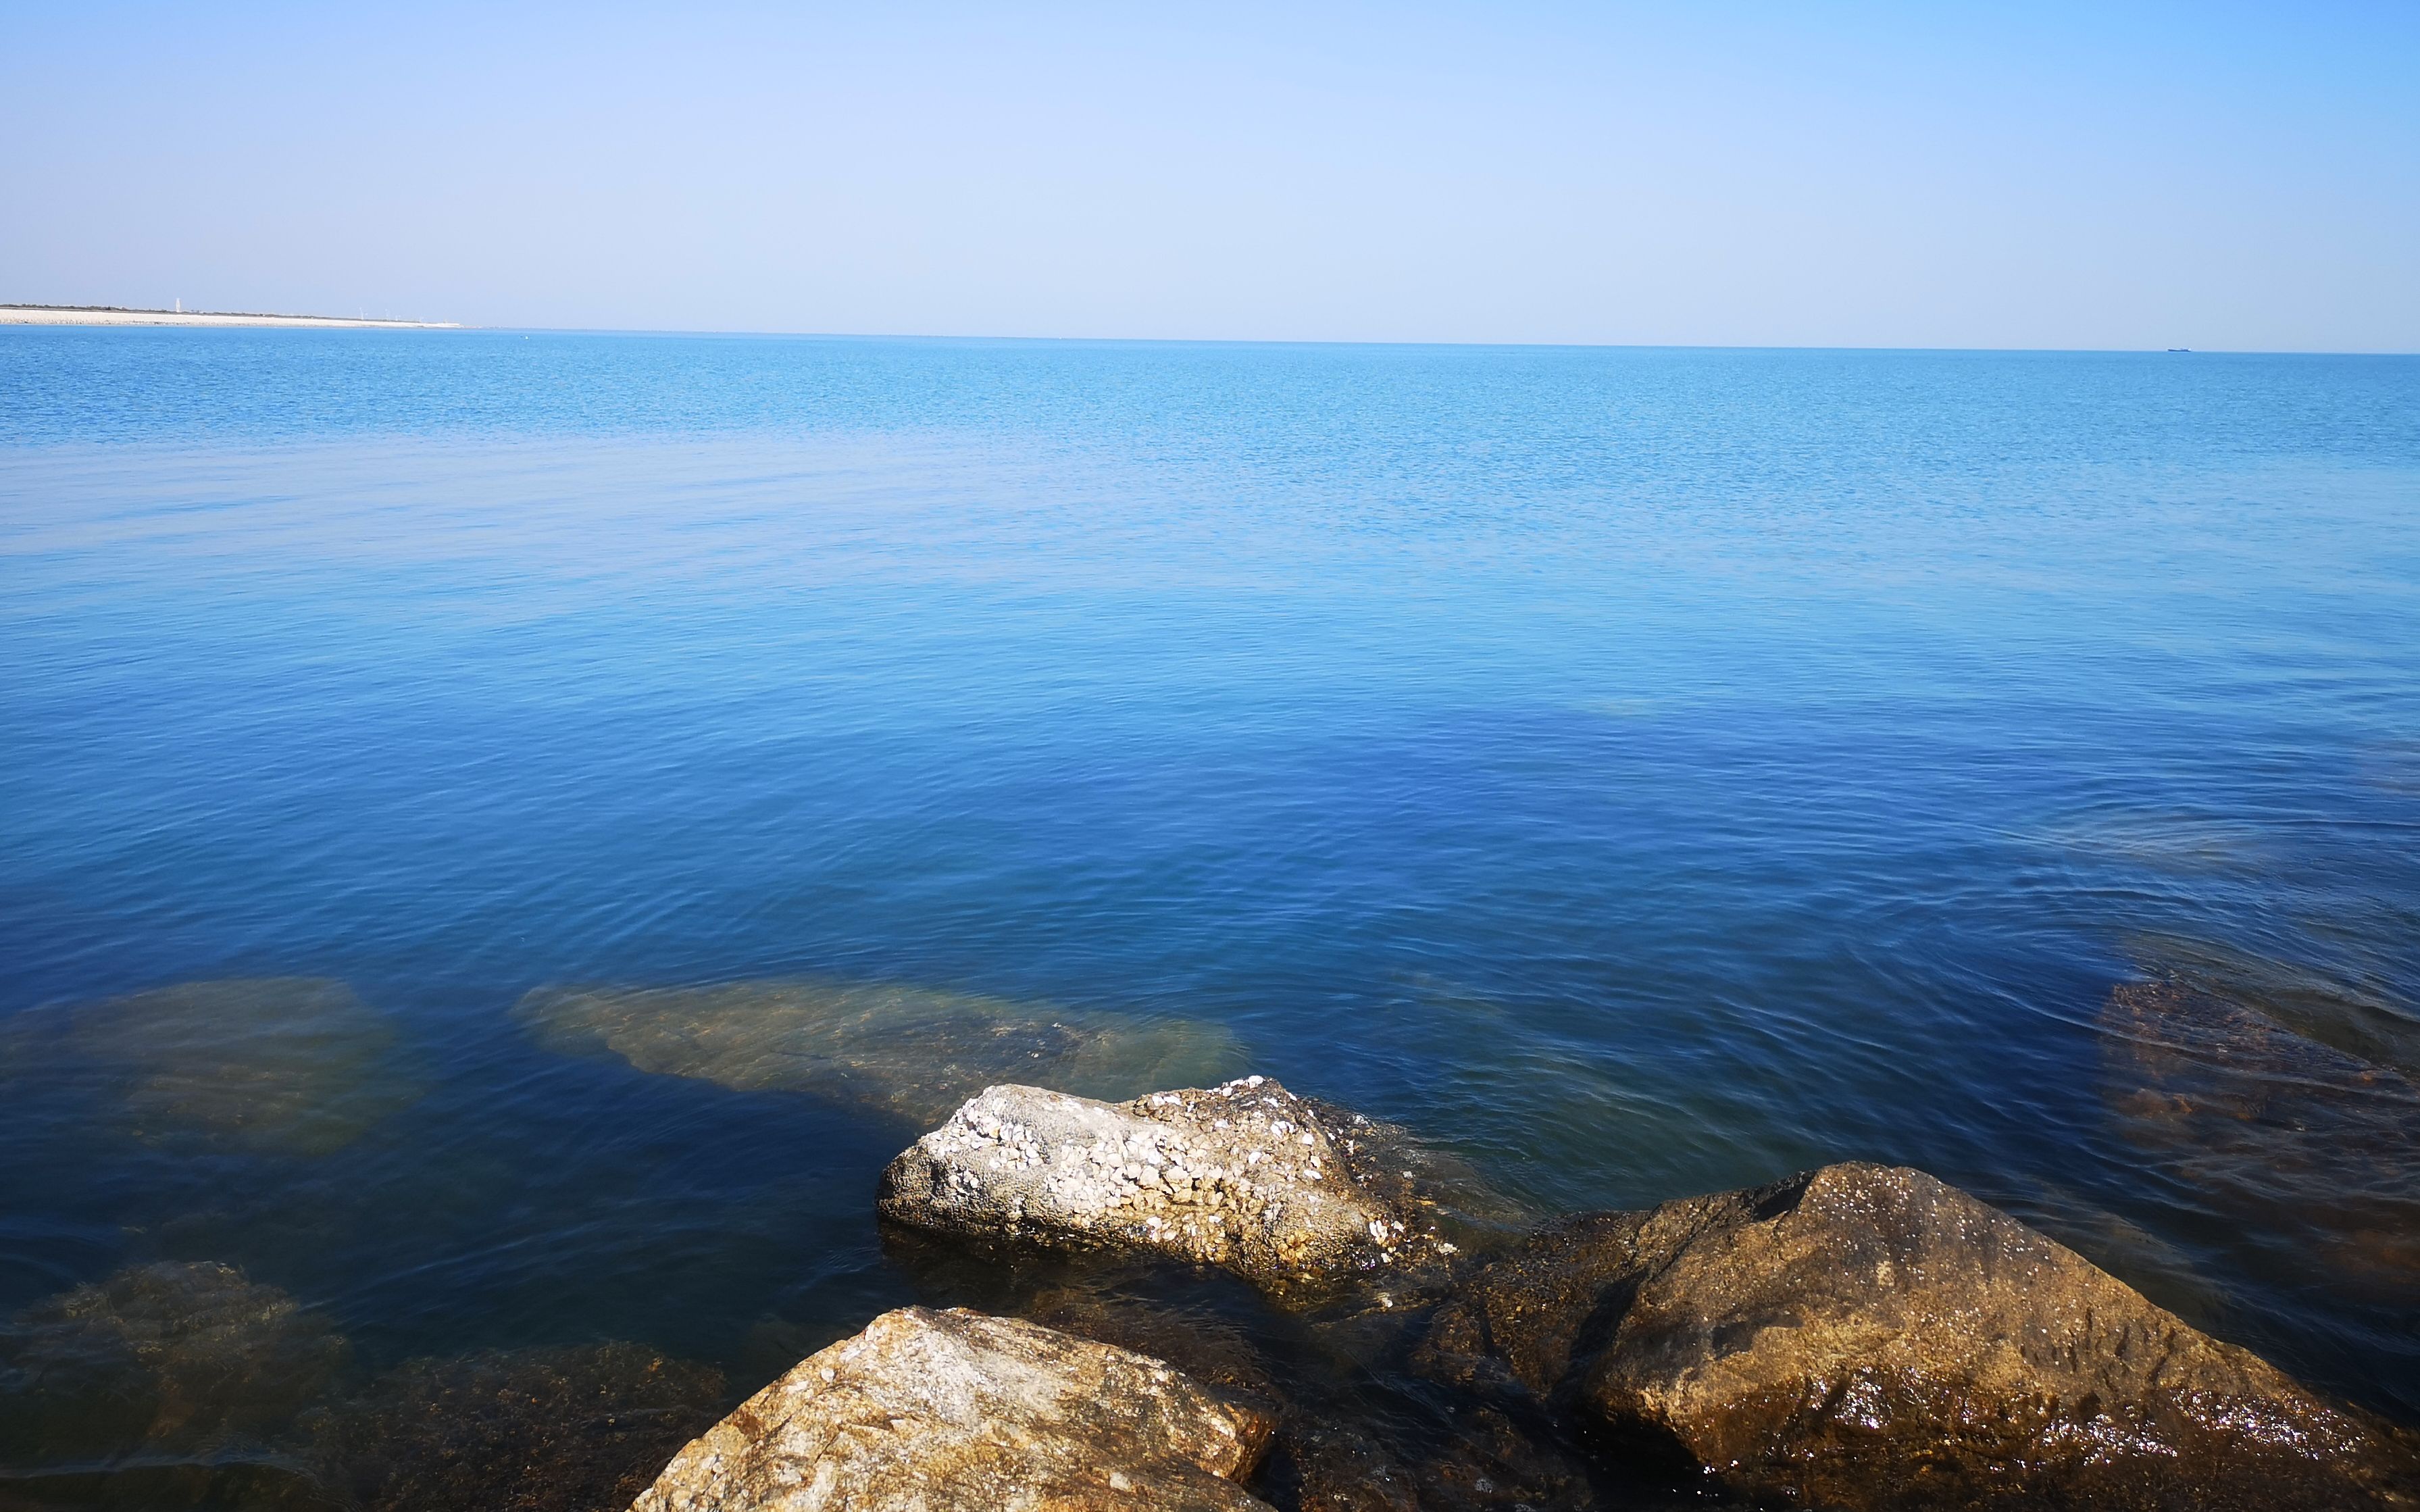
<point>1870,1337</point>
<point>1245,1175</point>
<point>1212,1349</point>
<point>162,1360</point>
<point>2272,1127</point>
<point>578,1429</point>
<point>1473,1461</point>
<point>941,1411</point>
<point>896,1050</point>
<point>295,1066</point>
<point>1527,1324</point>
<point>1345,1439</point>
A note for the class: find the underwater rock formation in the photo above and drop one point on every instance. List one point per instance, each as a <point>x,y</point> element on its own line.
<point>1245,1175</point>
<point>1344,1441</point>
<point>1869,1337</point>
<point>570,1428</point>
<point>160,1359</point>
<point>897,1050</point>
<point>936,1410</point>
<point>2272,1126</point>
<point>294,1066</point>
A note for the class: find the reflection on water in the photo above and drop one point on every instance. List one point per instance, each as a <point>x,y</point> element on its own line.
<point>897,1050</point>
<point>291,1064</point>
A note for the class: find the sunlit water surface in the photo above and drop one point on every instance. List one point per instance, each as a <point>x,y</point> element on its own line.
<point>1640,772</point>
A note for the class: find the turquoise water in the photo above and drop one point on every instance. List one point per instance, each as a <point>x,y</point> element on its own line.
<point>1638,771</point>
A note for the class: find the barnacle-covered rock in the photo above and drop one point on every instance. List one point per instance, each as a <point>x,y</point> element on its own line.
<point>1245,1175</point>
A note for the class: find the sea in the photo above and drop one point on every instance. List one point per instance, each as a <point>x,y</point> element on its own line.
<point>504,835</point>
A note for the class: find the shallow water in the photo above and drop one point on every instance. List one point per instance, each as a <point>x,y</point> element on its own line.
<point>1638,772</point>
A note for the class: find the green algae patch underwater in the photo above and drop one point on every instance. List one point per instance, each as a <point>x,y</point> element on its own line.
<point>903,1050</point>
<point>282,1066</point>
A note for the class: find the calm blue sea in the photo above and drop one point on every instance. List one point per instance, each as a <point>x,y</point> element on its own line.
<point>1638,771</point>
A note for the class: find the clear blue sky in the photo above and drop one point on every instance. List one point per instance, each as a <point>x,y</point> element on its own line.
<point>2045,175</point>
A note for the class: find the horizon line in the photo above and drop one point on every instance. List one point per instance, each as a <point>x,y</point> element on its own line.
<point>269,320</point>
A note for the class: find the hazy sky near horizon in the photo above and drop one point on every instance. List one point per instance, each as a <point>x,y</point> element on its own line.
<point>2053,174</point>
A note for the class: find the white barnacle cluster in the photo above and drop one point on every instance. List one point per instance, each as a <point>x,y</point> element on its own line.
<point>1245,1175</point>
<point>1002,1144</point>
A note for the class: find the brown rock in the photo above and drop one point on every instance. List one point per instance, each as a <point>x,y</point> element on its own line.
<point>1246,1176</point>
<point>936,1411</point>
<point>1869,1337</point>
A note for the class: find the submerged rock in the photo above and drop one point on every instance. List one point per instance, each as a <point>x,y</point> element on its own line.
<point>287,1065</point>
<point>574,1429</point>
<point>899,1050</point>
<point>1351,1433</point>
<point>160,1359</point>
<point>1867,1337</point>
<point>2272,1128</point>
<point>934,1411</point>
<point>1245,1175</point>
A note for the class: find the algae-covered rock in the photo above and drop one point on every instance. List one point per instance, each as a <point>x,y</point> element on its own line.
<point>160,1359</point>
<point>570,1428</point>
<point>955,1412</point>
<point>1245,1175</point>
<point>903,1050</point>
<point>1868,1337</point>
<point>2272,1128</point>
<point>296,1065</point>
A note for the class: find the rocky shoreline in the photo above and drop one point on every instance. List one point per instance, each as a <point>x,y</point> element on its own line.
<point>1222,1295</point>
<point>1856,1337</point>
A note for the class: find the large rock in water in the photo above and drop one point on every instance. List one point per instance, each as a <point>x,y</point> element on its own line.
<point>1870,1337</point>
<point>936,1411</point>
<point>1245,1175</point>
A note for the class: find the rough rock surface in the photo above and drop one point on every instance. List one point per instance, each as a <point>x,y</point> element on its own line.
<point>899,1050</point>
<point>1868,1337</point>
<point>936,1411</point>
<point>1344,1441</point>
<point>1245,1175</point>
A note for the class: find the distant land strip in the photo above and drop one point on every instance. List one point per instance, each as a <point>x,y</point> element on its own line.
<point>113,315</point>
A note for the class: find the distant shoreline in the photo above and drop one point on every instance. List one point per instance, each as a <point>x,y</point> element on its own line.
<point>115,315</point>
